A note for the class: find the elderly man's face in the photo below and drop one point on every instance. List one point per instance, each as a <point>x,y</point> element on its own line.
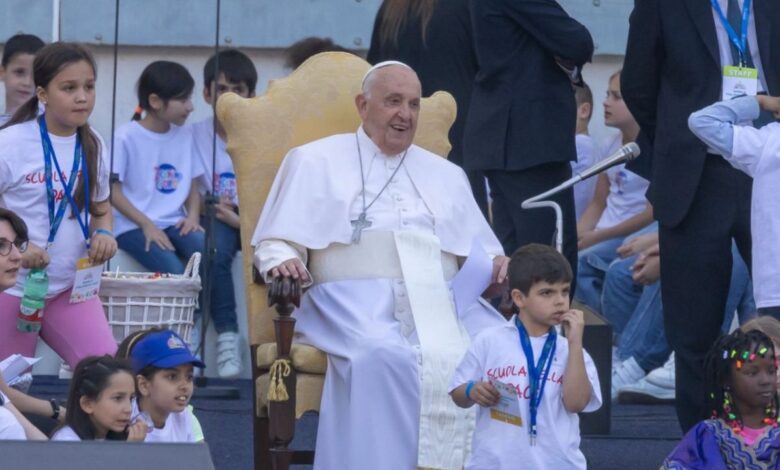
<point>390,108</point>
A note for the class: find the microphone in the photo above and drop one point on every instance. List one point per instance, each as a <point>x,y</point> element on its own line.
<point>624,154</point>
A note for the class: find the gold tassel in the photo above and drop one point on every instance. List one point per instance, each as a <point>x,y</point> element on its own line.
<point>277,391</point>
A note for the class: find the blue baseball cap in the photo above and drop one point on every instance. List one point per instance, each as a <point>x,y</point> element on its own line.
<point>163,349</point>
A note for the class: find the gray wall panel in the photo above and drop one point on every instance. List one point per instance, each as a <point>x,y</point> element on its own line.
<point>27,16</point>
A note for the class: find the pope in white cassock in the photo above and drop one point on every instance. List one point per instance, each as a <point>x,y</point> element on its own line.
<point>381,225</point>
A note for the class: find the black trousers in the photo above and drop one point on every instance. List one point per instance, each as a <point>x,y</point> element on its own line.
<point>515,226</point>
<point>696,271</point>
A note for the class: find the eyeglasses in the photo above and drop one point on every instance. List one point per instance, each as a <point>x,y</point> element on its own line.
<point>5,246</point>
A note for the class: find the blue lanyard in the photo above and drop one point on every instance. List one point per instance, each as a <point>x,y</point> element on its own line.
<point>739,42</point>
<point>55,218</point>
<point>537,373</point>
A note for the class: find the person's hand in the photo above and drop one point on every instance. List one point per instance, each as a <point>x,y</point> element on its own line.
<point>647,268</point>
<point>34,257</point>
<point>769,103</point>
<point>293,268</point>
<point>226,213</point>
<point>484,394</point>
<point>136,432</point>
<point>152,234</point>
<point>498,280</point>
<point>188,225</point>
<point>588,239</point>
<point>102,247</point>
<point>573,322</point>
<point>637,245</point>
<point>61,416</point>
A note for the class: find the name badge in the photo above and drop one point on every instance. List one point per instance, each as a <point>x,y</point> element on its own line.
<point>739,81</point>
<point>87,283</point>
<point>507,410</point>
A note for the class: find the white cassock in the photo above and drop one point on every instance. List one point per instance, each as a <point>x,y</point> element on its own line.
<point>380,308</point>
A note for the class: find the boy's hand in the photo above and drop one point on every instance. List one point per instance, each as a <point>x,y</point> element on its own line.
<point>637,245</point>
<point>484,394</point>
<point>769,103</point>
<point>136,432</point>
<point>573,323</point>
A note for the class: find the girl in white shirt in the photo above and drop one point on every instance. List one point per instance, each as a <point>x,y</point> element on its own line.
<point>618,208</point>
<point>157,204</point>
<point>163,365</point>
<point>100,403</point>
<point>53,175</point>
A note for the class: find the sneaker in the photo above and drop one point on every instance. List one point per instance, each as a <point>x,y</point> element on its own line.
<point>228,355</point>
<point>663,376</point>
<point>65,371</point>
<point>643,392</point>
<point>626,373</point>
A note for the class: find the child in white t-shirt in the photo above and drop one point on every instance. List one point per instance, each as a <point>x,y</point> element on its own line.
<point>54,176</point>
<point>551,377</point>
<point>587,150</point>
<point>618,208</point>
<point>16,71</point>
<point>100,403</point>
<point>155,192</point>
<point>163,365</point>
<point>726,129</point>
<point>236,74</point>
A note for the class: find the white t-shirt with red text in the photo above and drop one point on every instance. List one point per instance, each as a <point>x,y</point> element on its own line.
<point>23,190</point>
<point>221,181</point>
<point>496,354</point>
<point>626,191</point>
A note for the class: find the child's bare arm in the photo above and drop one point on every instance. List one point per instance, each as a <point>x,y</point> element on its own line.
<point>481,393</point>
<point>576,385</point>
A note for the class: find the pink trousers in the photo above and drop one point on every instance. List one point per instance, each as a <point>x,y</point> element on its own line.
<point>73,331</point>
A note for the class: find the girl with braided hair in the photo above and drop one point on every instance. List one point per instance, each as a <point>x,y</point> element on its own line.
<point>740,372</point>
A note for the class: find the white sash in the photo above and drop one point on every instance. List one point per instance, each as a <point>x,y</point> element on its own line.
<point>444,427</point>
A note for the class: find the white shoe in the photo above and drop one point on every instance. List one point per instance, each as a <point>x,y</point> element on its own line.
<point>65,371</point>
<point>626,373</point>
<point>228,355</point>
<point>663,376</point>
<point>643,392</point>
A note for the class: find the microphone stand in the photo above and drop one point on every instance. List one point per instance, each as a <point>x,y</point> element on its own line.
<point>202,387</point>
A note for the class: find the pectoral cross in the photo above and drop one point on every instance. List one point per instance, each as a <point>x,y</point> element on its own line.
<point>358,225</point>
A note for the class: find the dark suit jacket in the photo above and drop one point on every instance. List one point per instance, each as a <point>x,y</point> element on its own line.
<point>445,60</point>
<point>672,68</point>
<point>522,110</point>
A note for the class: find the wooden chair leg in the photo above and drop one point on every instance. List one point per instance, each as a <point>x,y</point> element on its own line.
<point>262,444</point>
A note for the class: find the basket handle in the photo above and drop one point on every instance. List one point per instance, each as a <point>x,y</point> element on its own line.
<point>192,266</point>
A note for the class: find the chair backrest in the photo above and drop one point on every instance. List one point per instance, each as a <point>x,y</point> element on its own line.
<point>317,100</point>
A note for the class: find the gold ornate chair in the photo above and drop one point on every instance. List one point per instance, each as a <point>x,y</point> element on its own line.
<point>315,101</point>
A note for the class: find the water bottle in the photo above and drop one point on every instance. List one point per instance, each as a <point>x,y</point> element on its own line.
<point>36,285</point>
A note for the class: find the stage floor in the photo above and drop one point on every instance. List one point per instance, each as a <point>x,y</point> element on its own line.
<point>642,435</point>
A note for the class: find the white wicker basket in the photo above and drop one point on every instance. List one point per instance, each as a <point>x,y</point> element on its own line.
<point>135,301</point>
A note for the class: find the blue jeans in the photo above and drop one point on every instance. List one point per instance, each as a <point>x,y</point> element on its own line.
<point>636,312</point>
<point>223,301</point>
<point>592,265</point>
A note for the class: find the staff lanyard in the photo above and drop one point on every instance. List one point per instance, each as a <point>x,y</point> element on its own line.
<point>55,217</point>
<point>739,42</point>
<point>537,373</point>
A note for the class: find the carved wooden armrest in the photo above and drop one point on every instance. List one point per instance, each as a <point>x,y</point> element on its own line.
<point>284,294</point>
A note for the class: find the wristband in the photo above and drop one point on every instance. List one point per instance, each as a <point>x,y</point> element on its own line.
<point>55,409</point>
<point>103,231</point>
<point>469,386</point>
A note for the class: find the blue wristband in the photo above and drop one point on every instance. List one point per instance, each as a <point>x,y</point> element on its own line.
<point>103,231</point>
<point>469,386</point>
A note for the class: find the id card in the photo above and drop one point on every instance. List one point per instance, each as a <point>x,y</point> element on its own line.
<point>739,81</point>
<point>507,409</point>
<point>87,282</point>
